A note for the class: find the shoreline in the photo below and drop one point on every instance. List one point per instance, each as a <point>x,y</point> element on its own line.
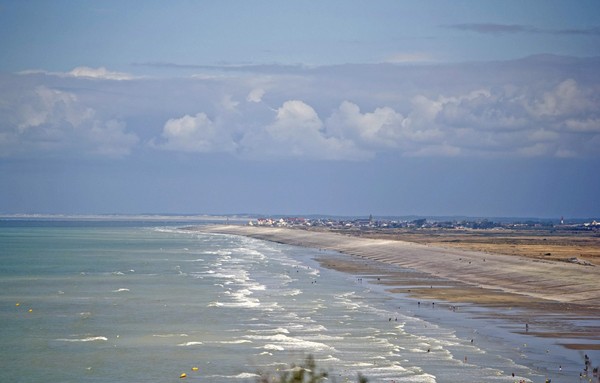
<point>556,298</point>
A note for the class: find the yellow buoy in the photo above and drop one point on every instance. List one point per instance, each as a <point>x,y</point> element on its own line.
<point>194,368</point>
<point>17,304</point>
<point>30,310</point>
<point>183,375</point>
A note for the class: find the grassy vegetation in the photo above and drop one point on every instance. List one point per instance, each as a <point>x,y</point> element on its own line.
<point>307,372</point>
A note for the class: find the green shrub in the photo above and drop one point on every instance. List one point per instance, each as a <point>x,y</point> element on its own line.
<point>304,373</point>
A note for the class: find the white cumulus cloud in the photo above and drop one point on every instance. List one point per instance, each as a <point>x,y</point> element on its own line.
<point>297,131</point>
<point>255,95</point>
<point>195,134</point>
<point>346,112</point>
<point>382,128</point>
<point>566,99</point>
<point>51,122</point>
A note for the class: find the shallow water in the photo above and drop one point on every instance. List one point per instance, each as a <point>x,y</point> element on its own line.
<point>124,303</point>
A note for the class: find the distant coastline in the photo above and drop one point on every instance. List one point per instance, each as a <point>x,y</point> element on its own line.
<point>125,217</point>
<point>254,217</point>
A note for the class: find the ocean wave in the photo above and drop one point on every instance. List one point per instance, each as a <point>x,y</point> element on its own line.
<point>394,369</point>
<point>239,341</point>
<point>251,252</point>
<point>273,347</point>
<point>240,298</point>
<point>249,303</point>
<point>221,252</point>
<point>291,293</point>
<point>325,337</point>
<point>87,339</point>
<point>329,358</point>
<point>315,328</point>
<point>257,287</point>
<point>188,344</point>
<point>242,375</point>
<point>284,342</point>
<point>274,330</point>
<point>245,375</point>
<point>168,335</point>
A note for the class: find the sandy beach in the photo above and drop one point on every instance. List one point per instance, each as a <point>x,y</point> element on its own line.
<point>549,292</point>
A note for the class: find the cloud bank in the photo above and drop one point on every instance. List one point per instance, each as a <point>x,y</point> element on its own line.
<point>493,28</point>
<point>538,107</point>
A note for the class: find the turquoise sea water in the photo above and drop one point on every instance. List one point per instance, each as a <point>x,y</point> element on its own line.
<point>114,302</point>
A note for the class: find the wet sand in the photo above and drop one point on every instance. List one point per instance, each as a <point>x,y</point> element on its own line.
<point>558,299</point>
<point>550,243</point>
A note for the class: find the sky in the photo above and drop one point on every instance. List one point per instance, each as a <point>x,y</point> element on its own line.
<point>390,108</point>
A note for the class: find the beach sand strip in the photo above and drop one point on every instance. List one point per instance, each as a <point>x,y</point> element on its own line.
<point>523,289</point>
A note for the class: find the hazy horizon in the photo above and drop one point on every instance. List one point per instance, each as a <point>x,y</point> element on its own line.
<point>243,217</point>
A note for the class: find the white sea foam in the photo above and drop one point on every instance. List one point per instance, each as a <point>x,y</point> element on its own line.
<point>278,330</point>
<point>291,343</point>
<point>273,347</point>
<point>394,369</point>
<point>242,375</point>
<point>87,339</point>
<point>251,252</point>
<point>239,341</point>
<point>329,358</point>
<point>257,287</point>
<point>291,293</point>
<point>315,328</point>
<point>314,272</point>
<point>241,298</point>
<point>188,344</point>
<point>245,375</point>
<point>324,337</point>
<point>121,290</point>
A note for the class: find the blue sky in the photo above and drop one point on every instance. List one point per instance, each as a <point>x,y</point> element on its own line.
<point>480,108</point>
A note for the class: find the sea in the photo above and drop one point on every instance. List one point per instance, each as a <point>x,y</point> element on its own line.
<point>119,301</point>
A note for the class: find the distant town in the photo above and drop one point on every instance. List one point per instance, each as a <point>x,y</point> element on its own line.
<point>424,223</point>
